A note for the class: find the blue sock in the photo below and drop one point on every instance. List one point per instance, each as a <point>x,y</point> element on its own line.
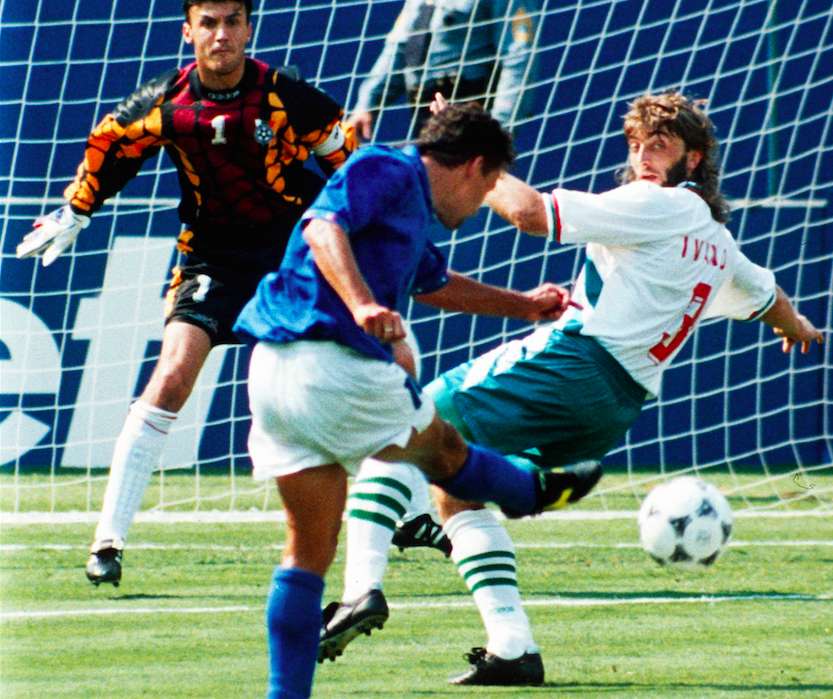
<point>486,476</point>
<point>293,621</point>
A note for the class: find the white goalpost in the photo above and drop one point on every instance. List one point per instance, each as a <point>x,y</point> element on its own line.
<point>78,339</point>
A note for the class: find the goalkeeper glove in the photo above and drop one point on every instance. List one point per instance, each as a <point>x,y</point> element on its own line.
<point>52,234</point>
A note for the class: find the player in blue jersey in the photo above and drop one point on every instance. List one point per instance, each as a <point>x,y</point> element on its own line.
<point>324,390</point>
<point>659,260</point>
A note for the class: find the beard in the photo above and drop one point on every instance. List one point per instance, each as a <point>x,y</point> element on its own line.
<point>677,173</point>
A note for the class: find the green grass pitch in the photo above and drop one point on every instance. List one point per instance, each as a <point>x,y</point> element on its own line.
<point>187,620</point>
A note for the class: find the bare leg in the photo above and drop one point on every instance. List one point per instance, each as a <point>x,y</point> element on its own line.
<point>313,500</point>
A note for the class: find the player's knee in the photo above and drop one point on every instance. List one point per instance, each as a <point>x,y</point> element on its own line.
<point>442,393</point>
<point>169,387</point>
<point>448,506</point>
<point>450,454</point>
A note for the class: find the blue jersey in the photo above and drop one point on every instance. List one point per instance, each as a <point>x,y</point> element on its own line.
<point>382,200</point>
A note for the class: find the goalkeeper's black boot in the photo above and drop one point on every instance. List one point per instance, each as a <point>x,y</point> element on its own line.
<point>422,531</point>
<point>555,489</point>
<point>343,622</point>
<point>104,563</point>
<point>488,669</point>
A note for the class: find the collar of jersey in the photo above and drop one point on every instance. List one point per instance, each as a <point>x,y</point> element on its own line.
<point>204,93</point>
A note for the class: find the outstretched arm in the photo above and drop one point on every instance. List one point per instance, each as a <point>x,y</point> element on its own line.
<point>511,199</point>
<point>113,156</point>
<point>115,151</point>
<point>789,324</point>
<point>519,204</point>
<point>467,295</point>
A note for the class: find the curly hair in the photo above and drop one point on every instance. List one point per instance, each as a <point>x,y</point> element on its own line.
<point>675,114</point>
<point>461,132</point>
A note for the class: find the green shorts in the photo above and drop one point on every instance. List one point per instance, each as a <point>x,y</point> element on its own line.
<point>557,398</point>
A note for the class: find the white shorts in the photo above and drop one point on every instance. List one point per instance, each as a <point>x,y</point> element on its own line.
<point>317,403</point>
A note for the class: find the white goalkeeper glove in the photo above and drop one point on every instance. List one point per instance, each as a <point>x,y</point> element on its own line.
<point>52,234</point>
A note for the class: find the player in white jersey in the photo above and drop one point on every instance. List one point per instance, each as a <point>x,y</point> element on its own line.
<point>659,261</point>
<point>657,264</point>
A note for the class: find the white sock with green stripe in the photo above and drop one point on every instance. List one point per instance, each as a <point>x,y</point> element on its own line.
<point>420,497</point>
<point>485,557</point>
<point>378,498</point>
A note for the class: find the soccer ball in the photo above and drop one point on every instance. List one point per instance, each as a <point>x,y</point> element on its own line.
<point>685,521</point>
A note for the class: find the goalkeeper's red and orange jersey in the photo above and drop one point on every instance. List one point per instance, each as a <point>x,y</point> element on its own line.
<point>239,155</point>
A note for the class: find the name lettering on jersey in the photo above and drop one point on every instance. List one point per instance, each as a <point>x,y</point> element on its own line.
<point>218,123</point>
<point>224,95</point>
<point>699,250</point>
<point>263,134</point>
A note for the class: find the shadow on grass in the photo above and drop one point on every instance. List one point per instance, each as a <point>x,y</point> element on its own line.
<point>114,596</point>
<point>187,599</point>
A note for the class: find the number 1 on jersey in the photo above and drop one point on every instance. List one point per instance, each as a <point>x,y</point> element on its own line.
<point>669,343</point>
<point>218,123</point>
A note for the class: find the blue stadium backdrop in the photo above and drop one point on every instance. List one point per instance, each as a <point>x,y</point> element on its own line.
<point>616,50</point>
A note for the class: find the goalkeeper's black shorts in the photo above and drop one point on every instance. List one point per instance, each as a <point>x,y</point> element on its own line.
<point>201,296</point>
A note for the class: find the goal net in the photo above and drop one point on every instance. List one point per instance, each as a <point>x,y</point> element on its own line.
<point>78,339</point>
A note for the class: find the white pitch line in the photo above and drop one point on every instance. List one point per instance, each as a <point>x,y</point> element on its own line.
<point>621,601</point>
<point>438,604</point>
<point>115,611</point>
<point>12,548</point>
<point>17,548</point>
<point>257,516</point>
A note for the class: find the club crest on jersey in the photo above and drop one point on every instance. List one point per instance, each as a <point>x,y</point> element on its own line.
<point>263,134</point>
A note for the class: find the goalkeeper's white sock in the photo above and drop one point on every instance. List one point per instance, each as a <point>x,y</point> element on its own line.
<point>137,453</point>
<point>377,499</point>
<point>485,557</point>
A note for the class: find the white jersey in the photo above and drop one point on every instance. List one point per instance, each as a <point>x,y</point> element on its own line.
<point>657,264</point>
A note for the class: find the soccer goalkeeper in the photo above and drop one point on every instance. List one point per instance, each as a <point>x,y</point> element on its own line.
<point>659,261</point>
<point>238,133</point>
